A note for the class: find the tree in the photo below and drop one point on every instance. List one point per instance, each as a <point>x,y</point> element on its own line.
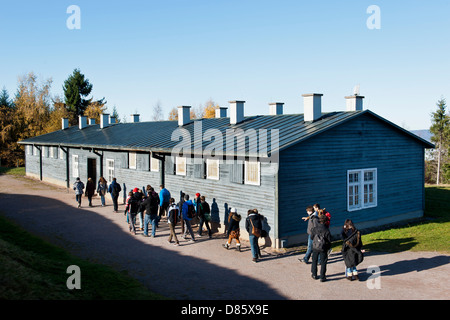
<point>115,114</point>
<point>76,89</point>
<point>94,110</point>
<point>57,112</point>
<point>210,109</point>
<point>173,114</point>
<point>7,129</point>
<point>157,112</point>
<point>440,130</point>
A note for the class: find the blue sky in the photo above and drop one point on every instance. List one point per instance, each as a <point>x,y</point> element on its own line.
<point>136,53</point>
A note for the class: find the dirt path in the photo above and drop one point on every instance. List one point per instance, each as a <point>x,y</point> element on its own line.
<point>205,270</point>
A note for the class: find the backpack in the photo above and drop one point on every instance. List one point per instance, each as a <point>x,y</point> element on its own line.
<point>116,189</point>
<point>174,215</point>
<point>191,211</point>
<point>320,242</point>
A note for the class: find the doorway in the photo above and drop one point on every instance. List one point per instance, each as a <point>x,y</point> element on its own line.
<point>92,169</point>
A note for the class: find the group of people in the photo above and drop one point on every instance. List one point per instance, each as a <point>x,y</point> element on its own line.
<point>319,243</point>
<point>149,207</point>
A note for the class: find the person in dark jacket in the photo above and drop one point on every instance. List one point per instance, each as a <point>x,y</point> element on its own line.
<point>312,221</point>
<point>114,189</point>
<point>90,190</point>
<point>321,243</point>
<point>203,213</point>
<point>173,216</point>
<point>150,206</point>
<point>133,204</point>
<point>351,249</point>
<point>233,229</point>
<point>254,221</point>
<point>78,186</point>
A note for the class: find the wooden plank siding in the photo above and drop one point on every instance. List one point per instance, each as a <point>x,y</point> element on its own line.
<point>315,171</point>
<point>223,194</point>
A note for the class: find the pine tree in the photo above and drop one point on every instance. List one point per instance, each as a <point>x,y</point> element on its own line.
<point>440,128</point>
<point>76,89</point>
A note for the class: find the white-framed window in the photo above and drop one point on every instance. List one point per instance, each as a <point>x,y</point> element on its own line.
<point>252,172</point>
<point>154,164</point>
<point>110,169</point>
<point>180,166</point>
<point>361,189</point>
<point>75,172</point>
<point>212,169</point>
<point>132,160</point>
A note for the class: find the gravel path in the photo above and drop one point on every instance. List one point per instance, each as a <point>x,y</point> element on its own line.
<point>204,270</point>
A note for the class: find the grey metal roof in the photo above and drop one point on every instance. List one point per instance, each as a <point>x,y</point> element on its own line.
<point>157,135</point>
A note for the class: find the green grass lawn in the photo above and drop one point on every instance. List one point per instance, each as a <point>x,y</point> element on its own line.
<point>430,234</point>
<point>20,171</point>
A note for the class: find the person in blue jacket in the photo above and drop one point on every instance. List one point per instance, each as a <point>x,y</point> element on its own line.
<point>188,212</point>
<point>164,200</point>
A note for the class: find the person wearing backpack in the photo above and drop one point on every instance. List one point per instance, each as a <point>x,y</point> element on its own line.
<point>133,205</point>
<point>188,212</point>
<point>204,216</point>
<point>150,206</point>
<point>78,186</point>
<point>172,219</point>
<point>321,243</point>
<point>233,230</point>
<point>114,189</point>
<point>253,225</point>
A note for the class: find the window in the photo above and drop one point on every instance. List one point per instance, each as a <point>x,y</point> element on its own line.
<point>180,166</point>
<point>154,164</point>
<point>75,172</point>
<point>110,169</point>
<point>252,172</point>
<point>132,160</point>
<point>362,189</point>
<point>50,152</point>
<point>212,169</point>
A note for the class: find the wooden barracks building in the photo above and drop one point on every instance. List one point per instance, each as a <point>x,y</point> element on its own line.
<point>355,163</point>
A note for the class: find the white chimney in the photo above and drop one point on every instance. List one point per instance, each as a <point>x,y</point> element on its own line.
<point>221,112</point>
<point>82,122</point>
<point>312,106</point>
<point>236,111</point>
<point>276,108</point>
<point>104,120</point>
<point>64,123</point>
<point>91,121</point>
<point>354,103</point>
<point>184,115</point>
<point>135,118</point>
<point>112,120</point>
